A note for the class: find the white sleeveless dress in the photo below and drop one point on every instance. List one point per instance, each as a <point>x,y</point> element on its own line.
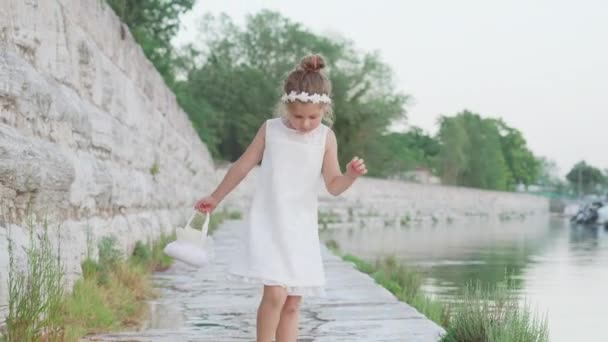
<point>281,243</point>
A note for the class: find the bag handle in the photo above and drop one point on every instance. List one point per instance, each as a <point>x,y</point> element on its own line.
<point>205,228</point>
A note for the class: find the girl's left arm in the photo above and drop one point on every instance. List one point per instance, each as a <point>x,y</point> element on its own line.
<point>336,182</point>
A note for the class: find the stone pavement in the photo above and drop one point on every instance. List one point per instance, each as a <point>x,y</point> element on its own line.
<point>202,306</point>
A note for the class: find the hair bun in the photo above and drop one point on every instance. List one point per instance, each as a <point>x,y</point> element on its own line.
<point>312,63</point>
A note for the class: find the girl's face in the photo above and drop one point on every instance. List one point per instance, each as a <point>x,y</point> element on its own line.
<point>305,116</point>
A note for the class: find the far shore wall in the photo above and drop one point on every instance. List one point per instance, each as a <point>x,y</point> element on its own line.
<point>398,200</point>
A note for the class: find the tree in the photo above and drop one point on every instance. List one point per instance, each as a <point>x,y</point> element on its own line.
<point>238,81</point>
<point>153,24</point>
<point>523,166</point>
<point>585,177</point>
<point>484,153</point>
<point>454,151</point>
<point>471,153</point>
<point>229,83</point>
<point>548,174</point>
<point>487,167</point>
<point>399,152</point>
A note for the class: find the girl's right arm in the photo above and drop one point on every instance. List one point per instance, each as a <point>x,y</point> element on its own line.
<point>239,169</point>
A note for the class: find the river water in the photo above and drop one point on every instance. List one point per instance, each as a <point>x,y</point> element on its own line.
<point>559,270</point>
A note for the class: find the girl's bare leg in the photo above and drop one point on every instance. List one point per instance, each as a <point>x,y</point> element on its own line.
<point>269,312</point>
<point>288,324</point>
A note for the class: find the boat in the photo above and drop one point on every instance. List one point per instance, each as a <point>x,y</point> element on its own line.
<point>592,214</point>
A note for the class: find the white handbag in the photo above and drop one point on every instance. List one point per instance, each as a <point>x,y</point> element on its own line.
<point>192,246</point>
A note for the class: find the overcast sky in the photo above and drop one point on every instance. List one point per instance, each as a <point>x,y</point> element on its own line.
<point>540,65</point>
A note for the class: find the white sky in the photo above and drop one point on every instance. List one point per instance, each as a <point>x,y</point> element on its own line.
<point>540,65</point>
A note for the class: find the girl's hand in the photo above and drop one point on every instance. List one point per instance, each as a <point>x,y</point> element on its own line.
<point>356,168</point>
<point>206,204</point>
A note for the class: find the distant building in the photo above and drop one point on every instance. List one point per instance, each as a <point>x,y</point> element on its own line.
<point>421,175</point>
<point>532,188</point>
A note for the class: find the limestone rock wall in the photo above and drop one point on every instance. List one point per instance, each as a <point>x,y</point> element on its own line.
<point>90,136</point>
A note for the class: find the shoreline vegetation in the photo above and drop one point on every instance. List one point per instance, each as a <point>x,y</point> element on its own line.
<point>480,313</point>
<point>111,295</point>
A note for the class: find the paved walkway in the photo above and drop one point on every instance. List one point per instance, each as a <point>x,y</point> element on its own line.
<point>199,305</point>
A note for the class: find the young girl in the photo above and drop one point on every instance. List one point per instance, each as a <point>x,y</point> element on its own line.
<point>281,246</point>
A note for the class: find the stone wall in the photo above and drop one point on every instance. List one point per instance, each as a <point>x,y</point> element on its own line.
<point>389,199</point>
<point>90,136</point>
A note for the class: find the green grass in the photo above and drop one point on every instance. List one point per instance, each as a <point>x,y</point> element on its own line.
<point>333,246</point>
<point>478,315</point>
<point>111,295</point>
<point>405,283</point>
<point>36,291</point>
<point>104,302</point>
<point>151,255</point>
<point>155,168</point>
<point>405,220</point>
<point>494,315</point>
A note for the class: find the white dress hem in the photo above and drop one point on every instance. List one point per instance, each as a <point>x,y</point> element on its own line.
<point>308,291</point>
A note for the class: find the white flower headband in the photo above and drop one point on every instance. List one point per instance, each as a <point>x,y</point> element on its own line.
<point>305,97</point>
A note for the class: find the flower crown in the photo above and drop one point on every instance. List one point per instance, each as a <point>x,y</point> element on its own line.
<point>305,97</point>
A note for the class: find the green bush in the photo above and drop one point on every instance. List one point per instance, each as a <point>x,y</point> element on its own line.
<point>493,315</point>
<point>35,292</point>
<point>142,254</point>
<point>109,254</point>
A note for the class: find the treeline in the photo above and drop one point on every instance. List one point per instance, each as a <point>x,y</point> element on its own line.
<point>230,80</point>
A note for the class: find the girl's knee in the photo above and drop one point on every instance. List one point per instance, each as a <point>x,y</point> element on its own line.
<point>292,305</point>
<point>274,296</point>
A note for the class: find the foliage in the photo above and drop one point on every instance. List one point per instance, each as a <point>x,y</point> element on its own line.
<point>586,176</point>
<point>111,295</point>
<point>35,291</point>
<point>454,152</point>
<point>493,315</point>
<point>238,80</point>
<point>399,152</point>
<point>524,167</point>
<point>548,173</point>
<point>478,315</point>
<point>484,153</point>
<point>405,283</point>
<point>230,80</point>
<point>153,24</point>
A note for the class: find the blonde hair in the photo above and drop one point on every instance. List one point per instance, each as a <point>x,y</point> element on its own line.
<point>308,77</point>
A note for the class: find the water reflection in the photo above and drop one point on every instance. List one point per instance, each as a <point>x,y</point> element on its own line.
<point>559,269</point>
<point>584,239</point>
